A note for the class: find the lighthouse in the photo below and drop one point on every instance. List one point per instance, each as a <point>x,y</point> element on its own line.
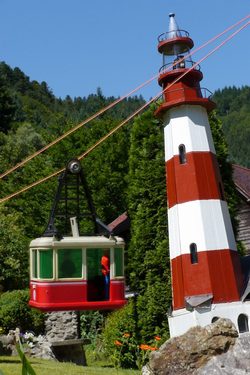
<point>206,269</point>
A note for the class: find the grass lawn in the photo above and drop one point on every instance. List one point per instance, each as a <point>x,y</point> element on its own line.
<point>12,366</point>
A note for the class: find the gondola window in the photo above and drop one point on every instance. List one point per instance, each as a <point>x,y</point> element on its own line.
<point>69,263</point>
<point>46,264</point>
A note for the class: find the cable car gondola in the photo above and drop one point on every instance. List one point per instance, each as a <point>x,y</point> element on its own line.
<point>76,272</point>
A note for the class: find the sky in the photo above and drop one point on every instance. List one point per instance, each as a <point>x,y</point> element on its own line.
<point>76,46</point>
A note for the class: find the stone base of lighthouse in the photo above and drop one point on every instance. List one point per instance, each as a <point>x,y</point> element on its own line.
<point>183,319</point>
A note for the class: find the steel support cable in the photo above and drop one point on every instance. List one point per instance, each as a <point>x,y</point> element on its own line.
<point>128,119</point>
<point>111,105</point>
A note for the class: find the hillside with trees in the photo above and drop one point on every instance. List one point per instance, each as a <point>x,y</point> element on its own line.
<point>233,108</point>
<point>125,173</point>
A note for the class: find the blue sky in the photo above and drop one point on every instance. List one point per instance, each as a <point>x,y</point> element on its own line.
<point>79,45</point>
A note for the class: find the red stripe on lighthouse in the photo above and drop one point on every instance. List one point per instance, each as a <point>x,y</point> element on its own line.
<point>197,178</point>
<point>217,272</point>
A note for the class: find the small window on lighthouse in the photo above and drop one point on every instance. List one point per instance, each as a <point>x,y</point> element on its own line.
<point>193,253</point>
<point>182,154</point>
<point>243,323</point>
<point>214,319</point>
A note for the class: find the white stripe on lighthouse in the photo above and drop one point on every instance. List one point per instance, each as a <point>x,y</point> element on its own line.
<point>203,222</point>
<point>188,125</point>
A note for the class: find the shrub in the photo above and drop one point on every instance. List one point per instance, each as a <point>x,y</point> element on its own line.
<point>120,337</point>
<point>91,324</point>
<point>15,312</point>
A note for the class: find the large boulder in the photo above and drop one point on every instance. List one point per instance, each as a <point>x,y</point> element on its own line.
<point>186,354</point>
<point>234,362</point>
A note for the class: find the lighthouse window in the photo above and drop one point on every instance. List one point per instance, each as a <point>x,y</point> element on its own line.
<point>243,323</point>
<point>182,154</point>
<point>214,319</point>
<point>193,253</point>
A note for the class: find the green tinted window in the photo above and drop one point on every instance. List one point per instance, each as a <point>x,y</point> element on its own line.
<point>46,264</point>
<point>69,263</point>
<point>34,263</point>
<point>119,262</point>
<point>94,268</point>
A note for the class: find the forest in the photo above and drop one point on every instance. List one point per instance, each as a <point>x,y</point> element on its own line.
<point>126,173</point>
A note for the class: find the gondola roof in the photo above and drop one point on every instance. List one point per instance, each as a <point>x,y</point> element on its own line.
<point>82,241</point>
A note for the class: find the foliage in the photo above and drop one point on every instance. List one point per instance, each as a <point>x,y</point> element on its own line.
<point>225,166</point>
<point>15,312</point>
<point>148,265</point>
<point>91,324</point>
<point>120,326</point>
<point>7,107</point>
<point>122,340</point>
<point>234,111</point>
<point>13,252</point>
<point>27,369</point>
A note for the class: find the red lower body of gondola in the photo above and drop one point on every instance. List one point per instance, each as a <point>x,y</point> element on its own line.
<point>76,295</point>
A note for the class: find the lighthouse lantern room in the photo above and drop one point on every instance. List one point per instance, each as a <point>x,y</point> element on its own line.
<point>206,270</point>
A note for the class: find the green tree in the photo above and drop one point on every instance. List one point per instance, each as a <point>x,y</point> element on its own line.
<point>225,166</point>
<point>7,107</point>
<point>13,252</point>
<point>233,110</point>
<point>148,262</point>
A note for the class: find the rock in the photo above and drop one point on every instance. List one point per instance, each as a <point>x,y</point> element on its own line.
<point>185,354</point>
<point>234,362</point>
<point>8,342</point>
<point>41,348</point>
<point>146,370</point>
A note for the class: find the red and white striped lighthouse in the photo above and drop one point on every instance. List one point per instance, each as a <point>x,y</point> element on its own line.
<point>207,280</point>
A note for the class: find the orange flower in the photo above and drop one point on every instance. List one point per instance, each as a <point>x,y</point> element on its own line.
<point>126,335</point>
<point>118,343</point>
<point>147,347</point>
<point>157,338</point>
<point>144,347</point>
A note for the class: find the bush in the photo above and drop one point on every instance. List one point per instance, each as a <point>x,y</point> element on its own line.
<point>122,340</point>
<point>91,324</point>
<point>15,312</point>
<point>119,337</point>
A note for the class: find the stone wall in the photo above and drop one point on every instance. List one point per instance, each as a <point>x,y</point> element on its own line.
<point>62,325</point>
<point>62,330</point>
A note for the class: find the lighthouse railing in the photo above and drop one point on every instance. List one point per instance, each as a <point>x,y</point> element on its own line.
<point>206,93</point>
<point>169,35</point>
<point>198,92</point>
<point>183,64</point>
